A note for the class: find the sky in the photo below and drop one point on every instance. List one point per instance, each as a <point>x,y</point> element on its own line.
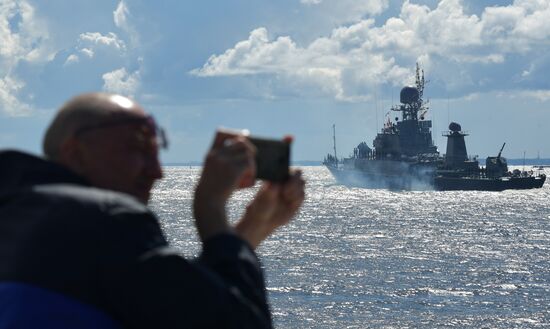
<point>283,67</point>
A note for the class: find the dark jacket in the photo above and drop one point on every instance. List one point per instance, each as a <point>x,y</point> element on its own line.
<point>107,250</point>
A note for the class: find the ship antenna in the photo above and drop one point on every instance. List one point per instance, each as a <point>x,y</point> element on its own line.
<point>334,140</point>
<point>376,107</point>
<point>419,80</point>
<point>448,111</point>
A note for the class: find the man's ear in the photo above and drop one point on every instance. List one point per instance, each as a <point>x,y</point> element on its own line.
<point>70,155</point>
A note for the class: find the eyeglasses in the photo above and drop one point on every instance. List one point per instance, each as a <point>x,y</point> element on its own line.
<point>147,121</point>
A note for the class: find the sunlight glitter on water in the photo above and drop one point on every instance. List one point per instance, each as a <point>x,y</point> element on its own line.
<point>359,258</point>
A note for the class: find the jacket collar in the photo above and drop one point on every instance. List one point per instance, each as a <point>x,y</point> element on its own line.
<point>19,170</point>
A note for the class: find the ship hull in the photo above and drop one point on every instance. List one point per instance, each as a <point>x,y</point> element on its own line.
<point>488,184</point>
<point>407,180</point>
<point>423,180</point>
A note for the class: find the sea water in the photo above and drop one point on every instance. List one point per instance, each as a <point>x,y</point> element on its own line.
<point>362,258</point>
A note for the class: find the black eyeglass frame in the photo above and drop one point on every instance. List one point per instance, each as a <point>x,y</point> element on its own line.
<point>159,132</point>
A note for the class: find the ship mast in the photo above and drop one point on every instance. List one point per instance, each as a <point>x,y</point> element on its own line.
<point>413,104</point>
<point>418,105</point>
<point>420,82</point>
<point>334,140</point>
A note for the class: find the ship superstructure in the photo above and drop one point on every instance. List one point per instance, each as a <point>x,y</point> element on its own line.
<point>411,136</point>
<point>403,154</point>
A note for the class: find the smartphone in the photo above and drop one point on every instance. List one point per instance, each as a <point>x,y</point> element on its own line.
<point>272,159</point>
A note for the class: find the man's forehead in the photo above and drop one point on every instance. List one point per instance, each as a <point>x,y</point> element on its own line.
<point>128,134</point>
<point>133,124</point>
<point>120,123</point>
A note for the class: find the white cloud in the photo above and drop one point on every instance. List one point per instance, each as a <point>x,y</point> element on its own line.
<point>87,52</point>
<point>9,88</point>
<point>111,48</point>
<point>71,59</point>
<point>96,39</point>
<point>121,82</point>
<point>121,19</point>
<point>108,45</point>
<point>23,37</point>
<point>483,59</point>
<point>311,2</point>
<point>518,27</point>
<point>360,8</point>
<point>354,9</point>
<point>94,44</point>
<point>105,51</point>
<point>354,57</point>
<point>120,15</point>
<point>321,67</point>
<point>255,55</point>
<point>339,12</point>
<point>22,34</point>
<point>540,95</point>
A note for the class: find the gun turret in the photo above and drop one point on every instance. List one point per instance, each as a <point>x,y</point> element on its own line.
<point>496,166</point>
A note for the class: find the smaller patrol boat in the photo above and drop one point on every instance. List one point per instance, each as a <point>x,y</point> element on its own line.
<point>457,172</point>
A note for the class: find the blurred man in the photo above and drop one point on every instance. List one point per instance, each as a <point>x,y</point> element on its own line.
<point>80,248</point>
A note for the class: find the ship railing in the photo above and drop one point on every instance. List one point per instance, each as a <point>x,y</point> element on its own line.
<point>447,133</point>
<point>539,171</point>
<point>428,155</point>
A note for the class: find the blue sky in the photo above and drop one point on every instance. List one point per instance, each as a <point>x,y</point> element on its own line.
<point>283,67</point>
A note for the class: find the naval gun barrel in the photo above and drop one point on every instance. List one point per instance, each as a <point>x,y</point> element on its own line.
<point>502,148</point>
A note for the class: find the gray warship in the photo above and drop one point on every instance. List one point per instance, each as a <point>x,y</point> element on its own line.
<point>404,156</point>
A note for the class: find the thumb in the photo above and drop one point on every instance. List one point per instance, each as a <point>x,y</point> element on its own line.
<point>268,192</point>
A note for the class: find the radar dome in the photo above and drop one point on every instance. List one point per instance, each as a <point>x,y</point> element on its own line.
<point>455,127</point>
<point>409,95</point>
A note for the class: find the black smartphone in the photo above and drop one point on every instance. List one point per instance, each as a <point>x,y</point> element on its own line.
<point>272,159</point>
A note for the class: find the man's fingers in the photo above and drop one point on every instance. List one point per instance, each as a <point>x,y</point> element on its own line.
<point>238,144</point>
<point>239,154</point>
<point>294,188</point>
<point>223,135</point>
<point>236,152</point>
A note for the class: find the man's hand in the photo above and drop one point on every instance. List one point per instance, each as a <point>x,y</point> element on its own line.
<point>273,207</point>
<point>228,165</point>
